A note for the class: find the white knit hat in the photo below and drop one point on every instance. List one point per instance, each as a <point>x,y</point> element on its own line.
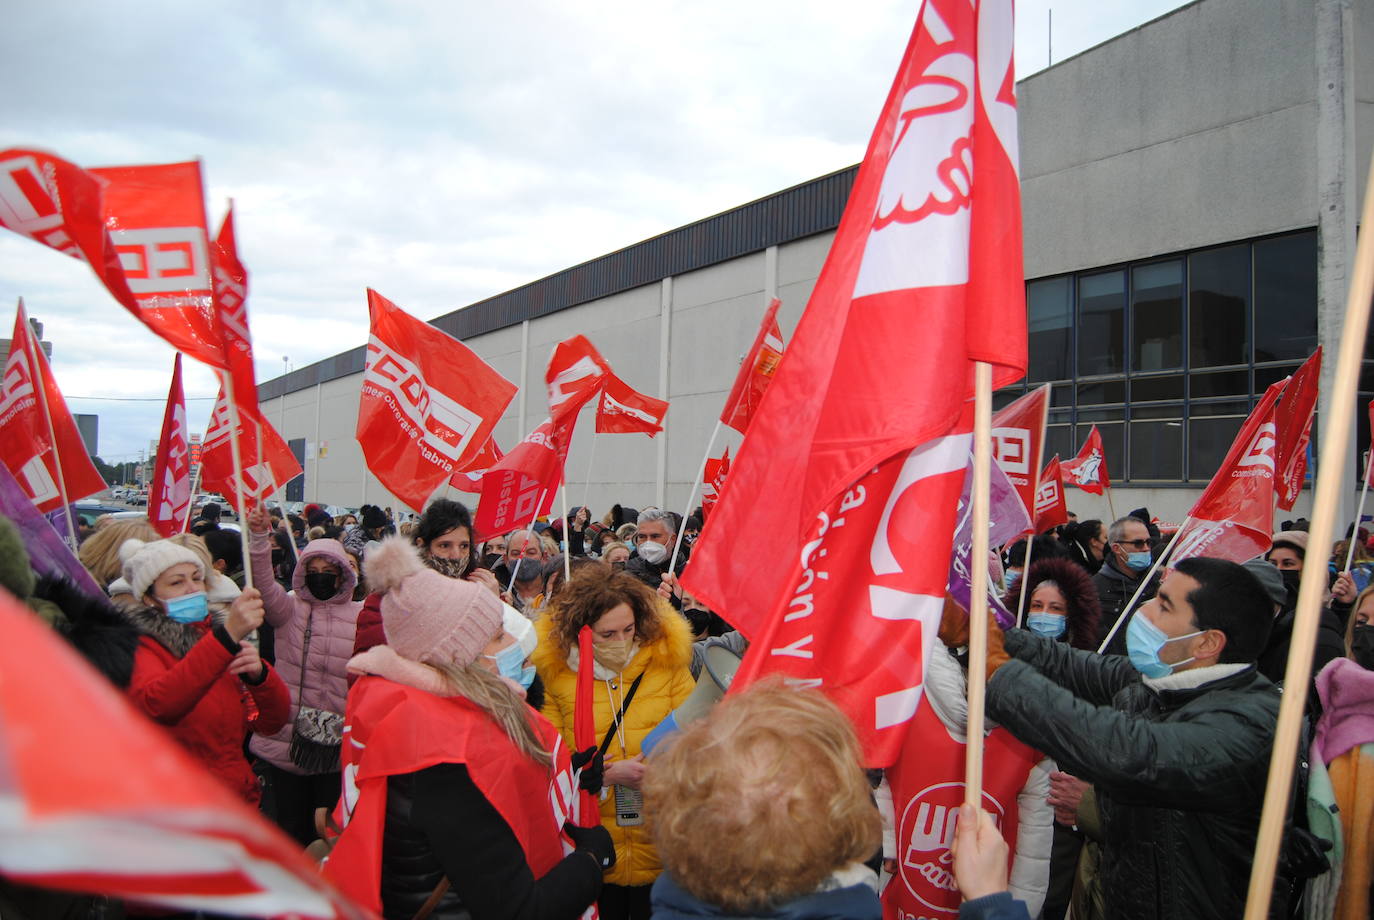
<point>144,562</point>
<point>430,617</point>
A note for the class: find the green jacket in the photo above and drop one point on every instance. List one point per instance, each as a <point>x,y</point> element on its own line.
<point>1179,767</point>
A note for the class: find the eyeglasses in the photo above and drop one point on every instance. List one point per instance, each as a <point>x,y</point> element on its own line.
<point>1136,544</point>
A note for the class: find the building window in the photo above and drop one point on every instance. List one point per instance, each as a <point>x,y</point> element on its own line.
<point>1167,356</point>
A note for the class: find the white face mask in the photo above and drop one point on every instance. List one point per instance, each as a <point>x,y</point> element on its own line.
<point>652,553</point>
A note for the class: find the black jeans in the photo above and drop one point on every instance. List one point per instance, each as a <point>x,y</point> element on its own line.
<point>624,902</point>
<point>290,799</point>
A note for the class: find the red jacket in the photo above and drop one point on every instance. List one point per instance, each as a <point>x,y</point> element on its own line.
<point>206,708</point>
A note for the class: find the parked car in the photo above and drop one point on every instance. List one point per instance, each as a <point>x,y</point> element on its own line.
<point>138,499</point>
<point>86,512</point>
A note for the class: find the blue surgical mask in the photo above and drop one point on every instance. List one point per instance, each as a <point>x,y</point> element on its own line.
<point>1139,561</point>
<point>189,608</point>
<point>1143,642</point>
<point>510,661</point>
<point>1049,625</point>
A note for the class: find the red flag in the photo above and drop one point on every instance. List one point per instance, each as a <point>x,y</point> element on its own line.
<point>156,218</point>
<point>523,484</point>
<point>923,279</point>
<point>1050,509</point>
<point>713,482</point>
<point>428,406</point>
<point>230,283</point>
<point>1088,470</point>
<point>169,496</point>
<point>58,204</point>
<point>1293,421</point>
<point>27,446</point>
<point>119,808</point>
<point>469,478</point>
<point>755,372</point>
<point>623,410</point>
<point>575,374</point>
<point>277,467</point>
<point>1018,440</point>
<point>584,724</point>
<point>1235,514</point>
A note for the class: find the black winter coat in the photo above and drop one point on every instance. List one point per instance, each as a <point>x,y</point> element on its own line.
<point>1114,590</point>
<point>1179,774</point>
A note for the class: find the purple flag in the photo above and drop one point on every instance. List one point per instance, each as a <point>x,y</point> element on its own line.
<point>48,554</point>
<point>1007,520</point>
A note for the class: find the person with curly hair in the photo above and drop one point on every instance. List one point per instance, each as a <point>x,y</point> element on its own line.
<point>642,650</point>
<point>762,809</point>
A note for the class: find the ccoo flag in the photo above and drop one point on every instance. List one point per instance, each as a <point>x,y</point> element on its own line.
<point>624,410</point>
<point>862,477</point>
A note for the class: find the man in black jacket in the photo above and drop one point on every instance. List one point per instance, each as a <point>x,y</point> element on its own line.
<point>1125,561</point>
<point>1178,758</point>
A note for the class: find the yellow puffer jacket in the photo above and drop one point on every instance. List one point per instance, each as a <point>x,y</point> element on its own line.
<point>667,683</point>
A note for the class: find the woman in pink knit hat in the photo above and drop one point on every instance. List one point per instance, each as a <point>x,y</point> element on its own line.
<point>456,794</point>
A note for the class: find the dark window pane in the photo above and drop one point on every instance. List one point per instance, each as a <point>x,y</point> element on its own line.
<point>1367,373</point>
<point>1101,326</point>
<point>1113,445</point>
<point>1005,397</point>
<point>1147,389</point>
<point>1264,376</point>
<point>1157,316</point>
<point>1156,411</point>
<point>1059,440</point>
<point>1220,383</point>
<point>1101,391</point>
<point>1286,297</point>
<point>1219,306</point>
<point>1049,322</point>
<point>1208,441</point>
<point>1062,395</point>
<point>1101,415</point>
<point>1226,407</point>
<point>1156,451</point>
<point>1061,415</point>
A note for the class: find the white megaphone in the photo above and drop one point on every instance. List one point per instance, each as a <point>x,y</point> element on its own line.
<point>718,671</point>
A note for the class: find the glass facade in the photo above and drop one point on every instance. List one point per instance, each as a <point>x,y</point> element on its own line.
<point>1166,355</point>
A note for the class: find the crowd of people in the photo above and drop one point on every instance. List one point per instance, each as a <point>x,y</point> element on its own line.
<point>402,698</point>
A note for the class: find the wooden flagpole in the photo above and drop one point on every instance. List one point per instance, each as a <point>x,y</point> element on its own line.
<point>692,495</point>
<point>978,594</point>
<point>1111,507</point>
<point>1144,583</point>
<point>1025,575</point>
<point>227,381</point>
<point>1325,501</point>
<point>1359,512</point>
<point>587,485</point>
<point>1039,468</point>
<point>40,386</point>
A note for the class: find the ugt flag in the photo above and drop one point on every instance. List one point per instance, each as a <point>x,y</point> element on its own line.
<point>755,372</point>
<point>1088,470</point>
<point>169,497</point>
<point>230,287</point>
<point>522,484</point>
<point>428,403</point>
<point>624,410</point>
<point>854,479</point>
<point>41,444</point>
<point>713,482</point>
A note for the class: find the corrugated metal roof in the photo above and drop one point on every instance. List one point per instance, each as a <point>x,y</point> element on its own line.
<point>792,214</point>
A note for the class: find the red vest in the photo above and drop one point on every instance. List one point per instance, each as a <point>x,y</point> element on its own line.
<point>392,729</point>
<point>927,789</point>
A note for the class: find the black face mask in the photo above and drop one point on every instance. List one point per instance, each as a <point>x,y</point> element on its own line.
<point>1362,646</point>
<point>1291,579</point>
<point>698,619</point>
<point>322,584</point>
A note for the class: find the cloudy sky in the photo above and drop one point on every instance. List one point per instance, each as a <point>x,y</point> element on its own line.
<point>441,152</point>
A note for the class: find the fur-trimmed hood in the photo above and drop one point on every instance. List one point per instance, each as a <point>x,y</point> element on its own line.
<point>672,649</point>
<point>333,551</point>
<point>175,637</point>
<point>1084,606</point>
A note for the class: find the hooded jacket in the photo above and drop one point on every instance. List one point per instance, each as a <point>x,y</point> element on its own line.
<point>666,685</point>
<point>181,681</point>
<point>1084,613</point>
<point>332,626</point>
<point>1178,763</point>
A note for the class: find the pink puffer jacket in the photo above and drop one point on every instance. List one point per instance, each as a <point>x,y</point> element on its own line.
<point>332,625</point>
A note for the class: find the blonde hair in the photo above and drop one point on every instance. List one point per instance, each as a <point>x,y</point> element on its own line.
<point>100,551</point>
<point>1342,548</point>
<point>315,533</point>
<point>759,802</point>
<point>548,544</point>
<point>494,696</point>
<point>614,544</point>
<point>1354,615</point>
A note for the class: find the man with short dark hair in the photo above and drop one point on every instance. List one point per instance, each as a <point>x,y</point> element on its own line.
<point>1175,738</point>
<point>1125,560</point>
<point>208,519</point>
